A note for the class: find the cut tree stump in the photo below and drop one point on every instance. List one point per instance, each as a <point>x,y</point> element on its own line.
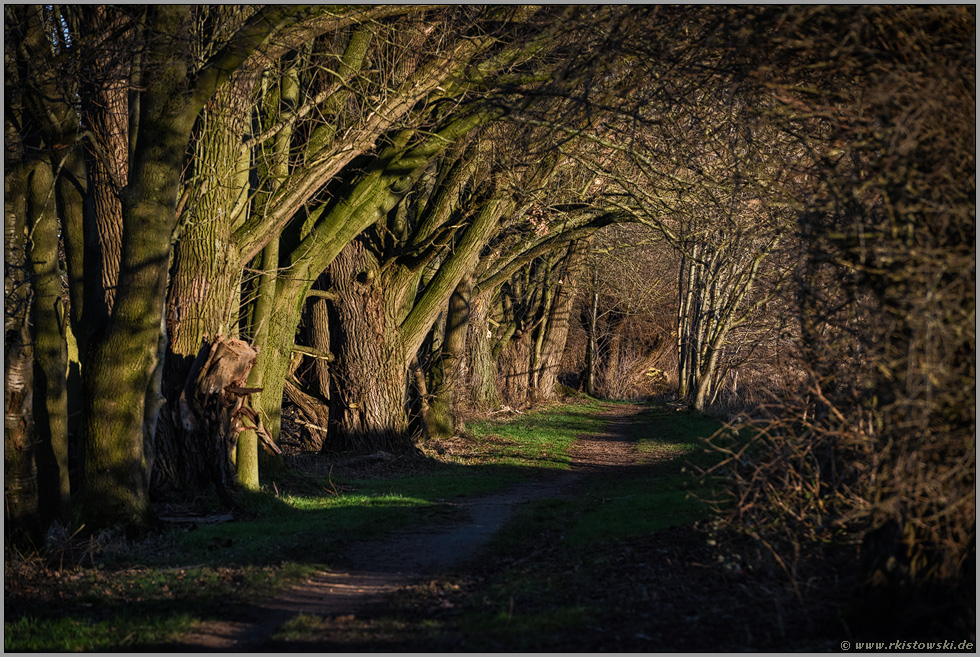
<point>211,407</point>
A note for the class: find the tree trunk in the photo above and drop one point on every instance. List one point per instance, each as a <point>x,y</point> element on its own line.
<point>50,348</point>
<point>556,326</point>
<point>21,521</point>
<point>686,338</point>
<point>262,323</point>
<point>124,357</point>
<point>367,403</point>
<point>541,330</point>
<point>319,330</point>
<point>316,416</point>
<point>47,124</point>
<point>207,268</point>
<point>211,405</point>
<point>481,364</point>
<point>287,299</point>
<point>440,422</point>
<point>107,115</point>
<point>514,368</point>
<point>592,342</point>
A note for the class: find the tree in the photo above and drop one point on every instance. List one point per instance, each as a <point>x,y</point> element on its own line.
<point>334,120</point>
<point>122,353</point>
<point>20,471</point>
<point>241,193</point>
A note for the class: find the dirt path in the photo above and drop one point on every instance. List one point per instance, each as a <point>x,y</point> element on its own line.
<point>377,568</point>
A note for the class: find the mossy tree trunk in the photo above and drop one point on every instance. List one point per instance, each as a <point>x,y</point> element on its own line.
<point>48,125</point>
<point>364,202</point>
<point>247,455</point>
<point>481,366</point>
<point>447,378</point>
<point>203,298</point>
<point>50,348</point>
<point>122,363</point>
<point>400,308</point>
<point>124,356</point>
<point>518,300</point>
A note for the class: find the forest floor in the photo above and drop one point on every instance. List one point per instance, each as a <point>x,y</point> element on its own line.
<point>439,588</point>
<point>377,570</point>
<point>577,528</point>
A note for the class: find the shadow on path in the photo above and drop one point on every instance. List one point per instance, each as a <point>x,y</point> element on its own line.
<point>374,569</point>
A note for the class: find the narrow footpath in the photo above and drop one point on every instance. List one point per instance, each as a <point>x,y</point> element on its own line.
<point>375,569</point>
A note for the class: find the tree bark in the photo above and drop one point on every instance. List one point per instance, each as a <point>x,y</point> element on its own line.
<point>319,330</point>
<point>50,348</point>
<point>248,444</point>
<point>555,329</point>
<point>367,402</point>
<point>316,416</point>
<point>207,268</point>
<point>592,341</point>
<point>210,409</point>
<point>21,520</point>
<point>106,113</point>
<point>442,400</point>
<point>481,363</point>
<point>124,357</point>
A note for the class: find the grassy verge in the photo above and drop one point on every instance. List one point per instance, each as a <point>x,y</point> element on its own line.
<point>106,593</point>
<point>563,572</point>
<point>568,565</point>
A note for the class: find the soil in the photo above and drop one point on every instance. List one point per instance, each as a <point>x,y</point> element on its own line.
<point>376,569</point>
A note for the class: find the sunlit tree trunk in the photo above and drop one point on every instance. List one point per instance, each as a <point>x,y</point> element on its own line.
<point>367,404</point>
<point>247,456</point>
<point>555,329</point>
<point>481,365</point>
<point>513,350</point>
<point>123,357</point>
<point>442,398</point>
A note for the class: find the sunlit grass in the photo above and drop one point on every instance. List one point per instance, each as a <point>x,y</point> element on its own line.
<point>542,439</point>
<point>101,609</point>
<point>303,523</point>
<point>662,491</point>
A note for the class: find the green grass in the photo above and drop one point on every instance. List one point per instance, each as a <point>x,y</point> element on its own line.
<point>552,548</point>
<point>303,522</point>
<point>147,594</point>
<point>542,439</point>
<point>99,609</point>
<point>78,633</point>
<point>573,532</point>
<point>663,493</point>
